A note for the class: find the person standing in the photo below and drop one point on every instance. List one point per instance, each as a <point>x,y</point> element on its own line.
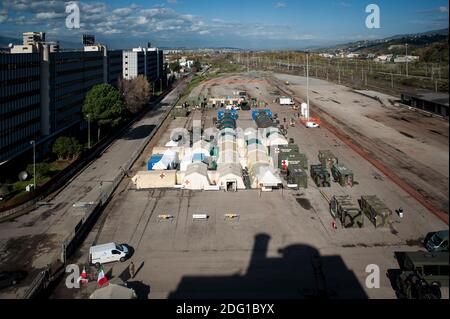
<point>131,270</point>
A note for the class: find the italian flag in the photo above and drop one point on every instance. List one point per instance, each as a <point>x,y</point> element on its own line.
<point>102,279</point>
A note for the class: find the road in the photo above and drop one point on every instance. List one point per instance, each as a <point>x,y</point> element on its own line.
<point>32,241</point>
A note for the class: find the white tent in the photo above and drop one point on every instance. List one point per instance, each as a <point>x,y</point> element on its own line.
<point>154,179</point>
<point>172,143</point>
<point>263,175</point>
<point>113,291</point>
<point>168,161</point>
<point>196,177</point>
<point>230,176</point>
<point>201,147</point>
<point>257,153</point>
<point>185,162</point>
<point>274,137</point>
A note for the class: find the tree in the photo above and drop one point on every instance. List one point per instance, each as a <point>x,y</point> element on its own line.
<point>136,93</point>
<point>42,169</point>
<point>175,66</point>
<point>197,65</point>
<point>66,147</point>
<point>104,105</point>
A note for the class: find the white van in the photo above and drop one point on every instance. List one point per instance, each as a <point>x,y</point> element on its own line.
<point>106,253</point>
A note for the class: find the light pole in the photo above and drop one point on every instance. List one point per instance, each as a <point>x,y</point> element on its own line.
<point>89,130</point>
<point>406,57</point>
<point>307,83</point>
<point>32,142</point>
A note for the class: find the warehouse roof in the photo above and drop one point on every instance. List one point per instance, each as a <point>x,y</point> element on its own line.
<point>430,96</point>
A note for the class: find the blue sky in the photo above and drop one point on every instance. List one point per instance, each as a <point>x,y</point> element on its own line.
<point>248,24</point>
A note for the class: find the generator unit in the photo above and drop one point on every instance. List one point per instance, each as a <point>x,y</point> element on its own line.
<point>347,211</point>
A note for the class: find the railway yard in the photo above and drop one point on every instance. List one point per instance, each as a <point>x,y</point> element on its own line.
<point>283,242</point>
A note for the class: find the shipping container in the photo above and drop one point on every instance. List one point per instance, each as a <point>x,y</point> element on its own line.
<point>342,175</point>
<point>326,157</point>
<point>320,175</point>
<point>376,211</point>
<point>347,211</point>
<point>297,176</point>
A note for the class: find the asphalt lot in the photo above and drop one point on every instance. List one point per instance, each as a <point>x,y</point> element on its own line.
<point>281,246</point>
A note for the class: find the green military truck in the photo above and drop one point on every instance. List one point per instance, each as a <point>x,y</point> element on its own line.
<point>375,210</point>
<point>347,211</point>
<point>342,175</point>
<point>296,175</point>
<point>320,175</point>
<point>327,158</point>
<point>422,274</point>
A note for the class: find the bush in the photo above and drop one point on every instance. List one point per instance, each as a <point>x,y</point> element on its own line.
<point>66,147</point>
<point>42,169</point>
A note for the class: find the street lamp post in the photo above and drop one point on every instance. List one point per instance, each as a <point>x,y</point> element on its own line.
<point>32,142</point>
<point>89,130</point>
<point>307,83</point>
<point>406,57</point>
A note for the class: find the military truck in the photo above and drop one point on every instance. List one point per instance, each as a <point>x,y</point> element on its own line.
<point>419,270</point>
<point>320,175</point>
<point>375,210</point>
<point>326,157</point>
<point>342,175</point>
<point>296,175</point>
<point>347,211</point>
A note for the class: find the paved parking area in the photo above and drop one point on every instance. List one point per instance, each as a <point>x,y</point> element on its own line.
<point>281,246</point>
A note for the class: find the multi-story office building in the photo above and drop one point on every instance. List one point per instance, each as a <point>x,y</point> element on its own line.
<point>20,110</point>
<point>115,58</point>
<point>144,61</point>
<point>133,64</point>
<point>71,76</point>
<point>42,88</point>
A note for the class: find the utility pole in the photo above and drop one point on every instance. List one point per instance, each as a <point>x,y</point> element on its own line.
<point>33,142</point>
<point>339,70</point>
<point>406,57</point>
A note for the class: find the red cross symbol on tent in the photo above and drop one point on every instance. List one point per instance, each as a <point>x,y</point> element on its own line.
<point>162,175</point>
<point>187,182</point>
<point>284,164</point>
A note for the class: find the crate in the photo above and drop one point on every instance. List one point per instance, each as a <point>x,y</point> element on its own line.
<point>376,211</point>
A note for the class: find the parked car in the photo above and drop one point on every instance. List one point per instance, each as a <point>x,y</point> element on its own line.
<point>106,253</point>
<point>437,241</point>
<point>11,278</point>
<point>312,125</point>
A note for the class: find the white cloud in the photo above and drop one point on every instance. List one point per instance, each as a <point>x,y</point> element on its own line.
<point>280,5</point>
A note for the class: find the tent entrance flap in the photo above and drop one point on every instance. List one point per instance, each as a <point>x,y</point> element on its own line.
<point>231,186</point>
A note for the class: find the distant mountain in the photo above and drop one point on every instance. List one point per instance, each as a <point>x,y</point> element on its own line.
<point>417,40</point>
